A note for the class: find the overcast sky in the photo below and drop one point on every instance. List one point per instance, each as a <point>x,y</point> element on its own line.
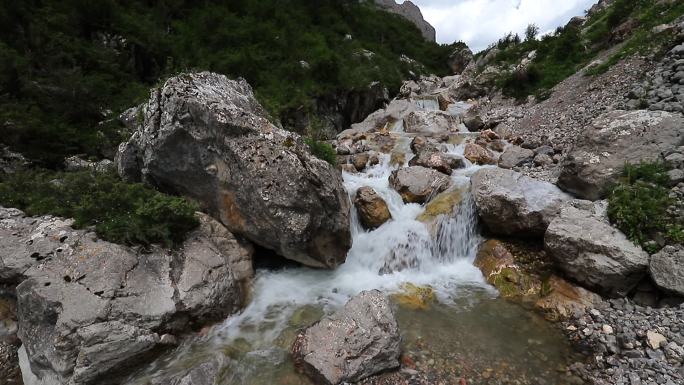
<point>481,22</point>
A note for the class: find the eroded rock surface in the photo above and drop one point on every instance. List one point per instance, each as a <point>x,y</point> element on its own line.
<point>667,269</point>
<point>417,184</point>
<point>89,310</point>
<point>372,209</point>
<point>358,341</point>
<point>510,203</point>
<point>206,137</point>
<point>592,252</point>
<point>599,155</point>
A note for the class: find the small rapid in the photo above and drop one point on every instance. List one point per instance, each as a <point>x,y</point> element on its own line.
<point>252,347</point>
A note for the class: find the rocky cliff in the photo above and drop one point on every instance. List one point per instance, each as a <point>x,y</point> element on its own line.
<point>412,13</point>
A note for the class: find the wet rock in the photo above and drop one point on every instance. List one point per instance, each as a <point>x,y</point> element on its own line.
<point>478,154</point>
<point>430,122</point>
<point>360,161</point>
<point>597,158</point>
<point>443,204</point>
<point>515,156</point>
<point>498,267</point>
<point>562,299</point>
<point>437,160</point>
<point>419,143</point>
<point>87,309</point>
<point>667,269</point>
<point>372,209</point>
<point>206,137</point>
<point>510,203</point>
<point>204,373</point>
<point>360,340</point>
<point>417,184</point>
<point>589,250</point>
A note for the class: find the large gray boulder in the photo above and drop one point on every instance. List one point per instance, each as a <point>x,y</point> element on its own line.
<point>616,138</point>
<point>510,203</point>
<point>417,184</point>
<point>90,310</point>
<point>430,122</point>
<point>667,269</point>
<point>589,250</point>
<point>515,156</point>
<point>358,341</point>
<point>206,137</point>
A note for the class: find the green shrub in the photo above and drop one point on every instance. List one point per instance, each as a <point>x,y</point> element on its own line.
<point>638,204</point>
<point>120,212</point>
<point>322,150</point>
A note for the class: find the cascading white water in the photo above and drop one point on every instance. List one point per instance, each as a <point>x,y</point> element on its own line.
<point>403,250</point>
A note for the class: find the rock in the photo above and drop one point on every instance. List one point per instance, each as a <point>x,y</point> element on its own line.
<point>459,59</point>
<point>515,156</point>
<point>473,123</point>
<point>412,13</point>
<point>510,203</point>
<point>360,340</point>
<point>655,339</point>
<point>204,373</point>
<point>589,250</point>
<point>667,269</point>
<point>11,162</point>
<point>542,160</point>
<point>417,184</point>
<point>430,122</point>
<point>498,267</point>
<point>442,162</point>
<point>564,299</point>
<point>206,137</point>
<point>360,161</point>
<point>9,365</point>
<point>418,144</point>
<point>372,209</point>
<point>443,204</point>
<point>89,310</point>
<point>597,158</point>
<point>75,163</point>
<point>478,154</point>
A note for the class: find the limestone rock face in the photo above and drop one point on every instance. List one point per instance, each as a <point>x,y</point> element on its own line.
<point>372,209</point>
<point>592,252</point>
<point>510,203</point>
<point>459,59</point>
<point>417,184</point>
<point>89,310</point>
<point>206,137</point>
<point>412,13</point>
<point>430,122</point>
<point>667,269</point>
<point>358,341</point>
<point>614,139</point>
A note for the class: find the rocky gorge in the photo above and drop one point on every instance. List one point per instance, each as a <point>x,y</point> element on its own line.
<point>458,237</point>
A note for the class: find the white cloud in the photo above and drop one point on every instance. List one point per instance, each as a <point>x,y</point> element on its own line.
<point>481,22</point>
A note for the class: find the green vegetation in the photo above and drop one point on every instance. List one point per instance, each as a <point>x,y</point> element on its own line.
<point>322,150</point>
<point>572,47</point>
<point>638,205</point>
<point>120,212</point>
<point>68,67</point>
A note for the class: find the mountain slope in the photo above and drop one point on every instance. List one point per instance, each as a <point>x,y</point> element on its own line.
<point>69,67</point>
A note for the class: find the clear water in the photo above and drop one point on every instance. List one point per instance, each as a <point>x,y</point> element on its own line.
<point>465,332</point>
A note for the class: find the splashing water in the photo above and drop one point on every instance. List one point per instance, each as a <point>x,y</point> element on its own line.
<point>403,250</point>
